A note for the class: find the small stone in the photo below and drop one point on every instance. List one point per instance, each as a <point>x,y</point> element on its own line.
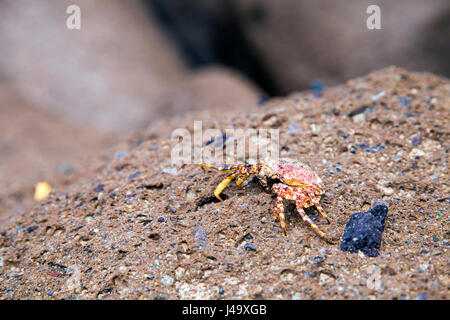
<point>172,171</point>
<point>42,191</point>
<point>190,194</point>
<point>378,96</point>
<point>387,191</point>
<point>358,111</point>
<point>161,219</point>
<point>364,231</point>
<point>99,187</point>
<point>31,229</point>
<point>195,292</point>
<point>271,121</point>
<point>249,247</point>
<point>421,296</point>
<point>416,153</point>
<point>318,260</point>
<point>293,128</point>
<point>297,296</point>
<point>317,85</point>
<point>179,273</point>
<point>129,199</point>
<point>404,101</point>
<point>134,175</point>
<point>416,140</point>
<point>167,280</point>
<point>325,279</point>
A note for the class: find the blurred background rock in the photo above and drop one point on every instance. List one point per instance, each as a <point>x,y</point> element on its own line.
<point>68,95</point>
<point>283,44</point>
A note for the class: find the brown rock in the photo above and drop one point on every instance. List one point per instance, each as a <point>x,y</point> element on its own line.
<point>36,145</point>
<point>130,244</point>
<point>111,74</point>
<point>211,88</point>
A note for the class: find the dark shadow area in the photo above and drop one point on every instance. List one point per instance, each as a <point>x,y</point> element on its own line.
<point>204,37</point>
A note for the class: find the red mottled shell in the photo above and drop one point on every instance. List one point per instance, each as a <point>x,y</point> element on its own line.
<point>293,172</point>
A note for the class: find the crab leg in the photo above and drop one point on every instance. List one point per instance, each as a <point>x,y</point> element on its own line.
<point>315,201</point>
<point>279,212</point>
<point>322,212</point>
<point>307,219</point>
<point>280,190</point>
<point>223,185</point>
<point>241,179</point>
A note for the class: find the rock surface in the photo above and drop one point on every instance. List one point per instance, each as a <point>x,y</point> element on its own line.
<point>148,237</point>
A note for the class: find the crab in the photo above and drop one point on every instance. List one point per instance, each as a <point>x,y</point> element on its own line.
<point>288,179</point>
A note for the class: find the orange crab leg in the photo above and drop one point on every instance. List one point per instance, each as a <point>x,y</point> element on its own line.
<point>223,185</point>
<point>322,212</point>
<point>315,201</point>
<point>243,171</point>
<point>305,218</point>
<point>279,212</point>
<point>241,179</point>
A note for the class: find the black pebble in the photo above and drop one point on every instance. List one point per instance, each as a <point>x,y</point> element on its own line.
<point>364,230</point>
<point>31,229</point>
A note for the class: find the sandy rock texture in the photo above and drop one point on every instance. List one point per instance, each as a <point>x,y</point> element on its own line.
<point>142,228</point>
<point>66,96</point>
